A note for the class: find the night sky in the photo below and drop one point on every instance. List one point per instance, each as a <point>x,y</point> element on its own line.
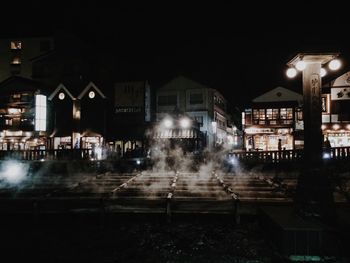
<point>239,49</point>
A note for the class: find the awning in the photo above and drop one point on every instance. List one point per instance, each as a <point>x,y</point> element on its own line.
<point>176,134</point>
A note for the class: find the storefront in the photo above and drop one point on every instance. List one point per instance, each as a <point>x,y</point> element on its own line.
<point>267,139</point>
<point>338,134</point>
<point>19,140</point>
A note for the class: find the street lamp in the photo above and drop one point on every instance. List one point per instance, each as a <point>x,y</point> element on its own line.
<point>314,195</point>
<point>311,66</point>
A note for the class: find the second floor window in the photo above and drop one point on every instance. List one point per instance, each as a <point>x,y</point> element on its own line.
<point>16,45</point>
<point>16,60</point>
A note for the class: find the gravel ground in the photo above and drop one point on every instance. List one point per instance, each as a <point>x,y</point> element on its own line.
<point>134,241</point>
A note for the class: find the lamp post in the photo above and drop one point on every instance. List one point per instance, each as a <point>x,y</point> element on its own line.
<point>314,195</point>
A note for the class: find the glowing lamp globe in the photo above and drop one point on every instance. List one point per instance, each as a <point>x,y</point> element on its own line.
<point>334,64</point>
<point>185,123</point>
<point>168,123</point>
<point>291,72</point>
<point>323,72</point>
<point>301,65</point>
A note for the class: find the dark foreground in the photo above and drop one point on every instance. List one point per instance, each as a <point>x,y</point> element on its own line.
<point>82,239</point>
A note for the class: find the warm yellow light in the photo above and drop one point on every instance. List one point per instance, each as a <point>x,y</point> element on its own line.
<point>323,127</point>
<point>348,126</point>
<point>301,65</point>
<point>291,72</point>
<point>334,64</point>
<point>336,126</point>
<point>323,72</point>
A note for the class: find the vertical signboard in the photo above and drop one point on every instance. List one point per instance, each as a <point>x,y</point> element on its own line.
<point>40,112</point>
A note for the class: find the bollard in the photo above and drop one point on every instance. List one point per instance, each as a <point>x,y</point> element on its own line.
<point>168,207</point>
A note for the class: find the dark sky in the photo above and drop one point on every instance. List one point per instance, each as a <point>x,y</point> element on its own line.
<point>239,49</point>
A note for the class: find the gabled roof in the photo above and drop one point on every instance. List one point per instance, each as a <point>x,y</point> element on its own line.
<point>342,80</point>
<point>182,82</point>
<point>60,87</point>
<point>89,86</point>
<point>279,94</point>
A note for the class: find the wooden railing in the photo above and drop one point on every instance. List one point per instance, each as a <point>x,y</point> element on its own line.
<point>336,153</point>
<point>33,155</point>
<point>269,156</point>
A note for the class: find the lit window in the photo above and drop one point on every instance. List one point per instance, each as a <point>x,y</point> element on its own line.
<point>61,96</point>
<point>14,111</point>
<point>16,96</point>
<point>16,60</point>
<point>40,113</point>
<point>8,122</point>
<point>16,45</point>
<point>91,94</point>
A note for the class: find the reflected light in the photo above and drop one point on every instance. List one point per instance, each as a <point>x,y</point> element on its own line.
<point>13,172</point>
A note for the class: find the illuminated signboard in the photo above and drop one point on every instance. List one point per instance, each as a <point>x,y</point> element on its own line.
<point>128,110</point>
<point>40,113</point>
<point>342,93</point>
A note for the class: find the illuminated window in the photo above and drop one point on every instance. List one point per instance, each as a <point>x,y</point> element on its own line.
<point>262,114</point>
<point>91,94</point>
<point>16,60</point>
<point>8,122</point>
<point>40,113</point>
<point>61,96</point>
<point>287,113</point>
<point>16,96</point>
<point>14,111</point>
<point>255,114</point>
<point>15,45</point>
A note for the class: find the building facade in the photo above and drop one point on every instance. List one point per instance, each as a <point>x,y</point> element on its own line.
<point>204,105</point>
<point>336,111</point>
<point>16,55</point>
<point>77,116</point>
<point>274,121</point>
<point>130,116</point>
<point>23,114</point>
